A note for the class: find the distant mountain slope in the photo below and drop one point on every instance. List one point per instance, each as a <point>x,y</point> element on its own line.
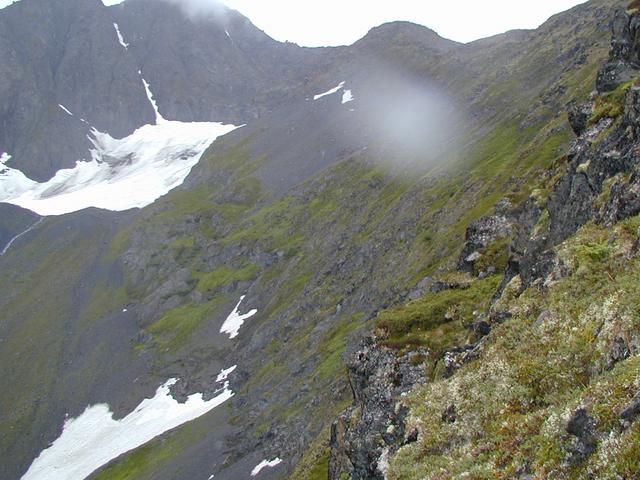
<point>213,66</point>
<point>63,52</point>
<point>67,70</point>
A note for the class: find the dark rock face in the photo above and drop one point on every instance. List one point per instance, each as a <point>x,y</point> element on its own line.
<point>579,115</point>
<point>595,162</point>
<point>582,441</point>
<point>213,65</point>
<point>63,52</point>
<point>624,61</point>
<point>366,433</point>
<point>67,52</point>
<point>631,412</point>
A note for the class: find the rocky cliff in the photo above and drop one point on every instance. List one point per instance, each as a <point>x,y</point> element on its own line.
<point>546,384</point>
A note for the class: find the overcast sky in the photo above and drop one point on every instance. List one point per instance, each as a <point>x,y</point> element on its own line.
<point>342,22</point>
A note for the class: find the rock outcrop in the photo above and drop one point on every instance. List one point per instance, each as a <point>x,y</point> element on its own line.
<point>374,427</point>
<point>601,177</point>
<point>624,61</point>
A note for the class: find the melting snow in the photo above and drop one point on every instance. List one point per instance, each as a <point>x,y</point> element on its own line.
<point>123,173</point>
<point>347,97</point>
<point>95,438</point>
<point>329,92</point>
<point>126,173</point>
<point>120,37</point>
<point>65,109</point>
<point>234,321</point>
<point>264,464</point>
<point>159,118</point>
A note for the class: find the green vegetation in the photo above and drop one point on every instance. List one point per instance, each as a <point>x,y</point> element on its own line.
<point>175,327</point>
<point>513,404</point>
<point>610,104</point>
<point>144,462</point>
<point>496,255</point>
<point>222,276</point>
<point>333,347</point>
<point>439,320</point>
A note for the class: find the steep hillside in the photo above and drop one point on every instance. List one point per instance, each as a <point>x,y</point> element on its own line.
<point>521,362</point>
<point>213,63</point>
<point>63,53</point>
<point>322,215</point>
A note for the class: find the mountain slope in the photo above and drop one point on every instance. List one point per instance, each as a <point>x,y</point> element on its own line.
<point>63,53</point>
<point>320,215</point>
<point>213,64</point>
<point>542,379</point>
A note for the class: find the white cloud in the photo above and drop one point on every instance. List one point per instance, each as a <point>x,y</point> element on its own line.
<point>336,22</point>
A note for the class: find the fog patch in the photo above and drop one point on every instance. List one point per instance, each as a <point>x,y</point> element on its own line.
<point>202,9</point>
<point>415,125</point>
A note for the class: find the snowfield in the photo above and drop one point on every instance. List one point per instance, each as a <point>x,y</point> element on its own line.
<point>126,173</point>
<point>123,173</point>
<point>121,41</point>
<point>347,97</point>
<point>95,438</point>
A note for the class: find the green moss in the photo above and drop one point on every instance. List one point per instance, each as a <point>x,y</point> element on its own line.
<point>320,471</point>
<point>141,464</point>
<point>314,465</point>
<point>222,276</point>
<point>148,461</point>
<point>595,252</point>
<point>105,299</point>
<point>184,243</point>
<point>495,255</point>
<point>610,104</point>
<point>176,326</point>
<point>333,346</point>
<point>119,244</point>
<point>438,320</point>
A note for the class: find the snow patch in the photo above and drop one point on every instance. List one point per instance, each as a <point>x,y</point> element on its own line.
<point>4,158</point>
<point>347,97</point>
<point>234,321</point>
<point>159,118</point>
<point>123,173</point>
<point>120,37</point>
<point>224,374</point>
<point>329,92</point>
<point>65,109</point>
<point>95,438</point>
<point>264,464</point>
<point>227,32</point>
